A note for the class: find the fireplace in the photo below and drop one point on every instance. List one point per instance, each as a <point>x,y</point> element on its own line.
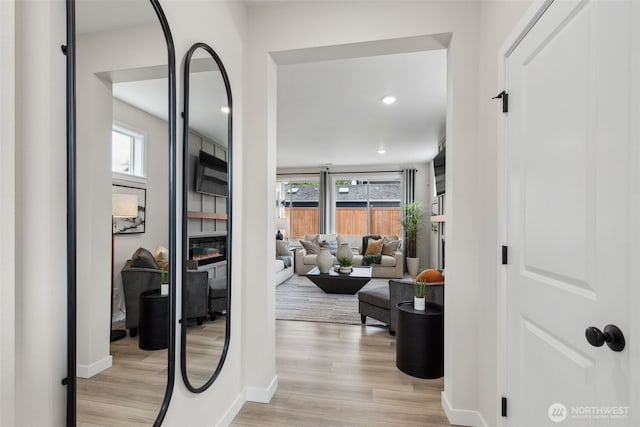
<point>206,250</point>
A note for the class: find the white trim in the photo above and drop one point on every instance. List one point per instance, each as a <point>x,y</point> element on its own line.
<point>461,417</point>
<point>262,395</point>
<point>128,180</point>
<point>87,371</point>
<point>233,410</point>
<point>528,20</point>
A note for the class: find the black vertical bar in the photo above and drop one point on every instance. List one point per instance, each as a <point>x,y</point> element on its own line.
<point>70,52</point>
<point>171,70</point>
<point>505,103</point>
<point>504,255</point>
<point>504,406</point>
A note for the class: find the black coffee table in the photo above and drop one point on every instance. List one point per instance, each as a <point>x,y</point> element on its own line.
<point>337,283</point>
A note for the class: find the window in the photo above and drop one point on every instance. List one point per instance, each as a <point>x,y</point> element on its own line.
<point>127,151</point>
<point>368,205</point>
<point>298,203</point>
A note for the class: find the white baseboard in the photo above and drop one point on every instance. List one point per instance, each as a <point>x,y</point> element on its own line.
<point>262,395</point>
<point>87,371</point>
<point>461,417</point>
<point>233,410</point>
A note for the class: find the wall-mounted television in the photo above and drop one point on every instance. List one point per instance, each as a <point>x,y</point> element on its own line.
<point>439,162</point>
<point>211,175</point>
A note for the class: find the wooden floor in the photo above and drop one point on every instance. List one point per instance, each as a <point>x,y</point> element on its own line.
<point>127,394</point>
<point>343,375</point>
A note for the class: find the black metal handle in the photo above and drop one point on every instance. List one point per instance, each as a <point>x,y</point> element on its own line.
<point>612,335</point>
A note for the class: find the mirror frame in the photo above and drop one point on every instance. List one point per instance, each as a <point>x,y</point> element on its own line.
<point>185,192</point>
<point>70,51</point>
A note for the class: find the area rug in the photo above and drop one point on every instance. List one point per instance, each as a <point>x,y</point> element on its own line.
<point>299,299</point>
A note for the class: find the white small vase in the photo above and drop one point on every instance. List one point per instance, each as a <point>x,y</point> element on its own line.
<point>324,261</point>
<point>413,265</point>
<point>344,251</point>
<point>164,289</point>
<point>345,270</point>
<point>419,303</point>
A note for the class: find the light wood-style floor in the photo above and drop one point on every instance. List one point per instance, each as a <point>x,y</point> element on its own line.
<point>343,375</point>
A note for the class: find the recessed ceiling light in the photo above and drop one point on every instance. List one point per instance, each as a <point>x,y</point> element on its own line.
<point>381,151</point>
<point>225,109</point>
<point>389,99</point>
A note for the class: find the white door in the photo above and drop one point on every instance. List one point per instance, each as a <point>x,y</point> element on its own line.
<point>572,161</point>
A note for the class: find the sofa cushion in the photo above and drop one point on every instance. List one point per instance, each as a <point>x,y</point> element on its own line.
<point>217,288</point>
<point>388,261</point>
<point>161,256</point>
<point>332,245</point>
<point>376,296</point>
<point>311,247</point>
<point>142,258</point>
<point>389,247</point>
<point>282,248</point>
<point>374,247</point>
<point>356,261</point>
<point>279,265</point>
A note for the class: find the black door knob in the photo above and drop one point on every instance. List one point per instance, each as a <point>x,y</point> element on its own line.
<point>612,335</point>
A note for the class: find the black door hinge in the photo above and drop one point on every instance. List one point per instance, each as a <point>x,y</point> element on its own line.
<point>504,406</point>
<point>504,255</point>
<point>65,381</point>
<point>505,100</point>
<point>63,48</point>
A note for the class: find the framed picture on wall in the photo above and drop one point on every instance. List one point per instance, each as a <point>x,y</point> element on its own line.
<point>123,209</point>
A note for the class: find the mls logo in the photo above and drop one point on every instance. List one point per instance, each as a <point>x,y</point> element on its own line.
<point>557,412</point>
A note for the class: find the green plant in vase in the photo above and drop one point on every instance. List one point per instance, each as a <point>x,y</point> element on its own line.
<point>164,280</point>
<point>419,291</point>
<point>411,215</point>
<point>345,265</point>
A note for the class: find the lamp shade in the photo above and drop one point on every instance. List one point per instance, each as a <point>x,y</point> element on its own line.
<point>282,224</point>
<point>124,205</point>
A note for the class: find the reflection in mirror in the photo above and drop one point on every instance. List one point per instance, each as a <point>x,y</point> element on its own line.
<point>207,223</point>
<point>123,98</point>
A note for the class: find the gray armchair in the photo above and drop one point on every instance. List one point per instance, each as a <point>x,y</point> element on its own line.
<point>136,280</point>
<point>380,303</point>
<point>196,297</point>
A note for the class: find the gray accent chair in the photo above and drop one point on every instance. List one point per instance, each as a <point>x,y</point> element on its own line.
<point>136,280</point>
<point>217,296</point>
<point>196,296</point>
<point>380,303</point>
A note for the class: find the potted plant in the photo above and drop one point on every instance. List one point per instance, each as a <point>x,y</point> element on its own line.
<point>411,214</point>
<point>419,290</point>
<point>345,265</point>
<point>164,280</point>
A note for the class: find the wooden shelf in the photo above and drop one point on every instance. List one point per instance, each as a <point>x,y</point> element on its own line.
<point>438,218</point>
<point>206,215</point>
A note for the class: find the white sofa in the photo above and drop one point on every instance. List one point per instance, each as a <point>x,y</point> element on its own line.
<point>282,272</point>
<point>391,267</point>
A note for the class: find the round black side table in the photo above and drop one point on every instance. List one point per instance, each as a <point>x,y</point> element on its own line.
<point>153,325</point>
<point>420,340</point>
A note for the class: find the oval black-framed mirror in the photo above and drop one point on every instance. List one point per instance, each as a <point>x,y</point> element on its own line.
<point>207,219</point>
<point>101,77</point>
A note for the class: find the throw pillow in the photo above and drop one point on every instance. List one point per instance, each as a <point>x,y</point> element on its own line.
<point>374,247</point>
<point>332,245</point>
<point>310,247</point>
<point>142,258</point>
<point>430,276</point>
<point>388,239</point>
<point>313,238</point>
<point>161,256</point>
<point>282,248</point>
<point>389,248</point>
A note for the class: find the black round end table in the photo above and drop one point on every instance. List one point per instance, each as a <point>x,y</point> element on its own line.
<point>153,325</point>
<point>420,340</point>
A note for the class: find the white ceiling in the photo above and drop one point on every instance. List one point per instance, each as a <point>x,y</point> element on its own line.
<point>207,95</point>
<point>330,112</point>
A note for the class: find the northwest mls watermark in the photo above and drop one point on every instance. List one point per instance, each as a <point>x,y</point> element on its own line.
<point>558,412</point>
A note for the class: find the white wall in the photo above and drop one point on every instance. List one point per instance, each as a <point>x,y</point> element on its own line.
<point>7,213</point>
<point>40,227</point>
<point>157,197</point>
